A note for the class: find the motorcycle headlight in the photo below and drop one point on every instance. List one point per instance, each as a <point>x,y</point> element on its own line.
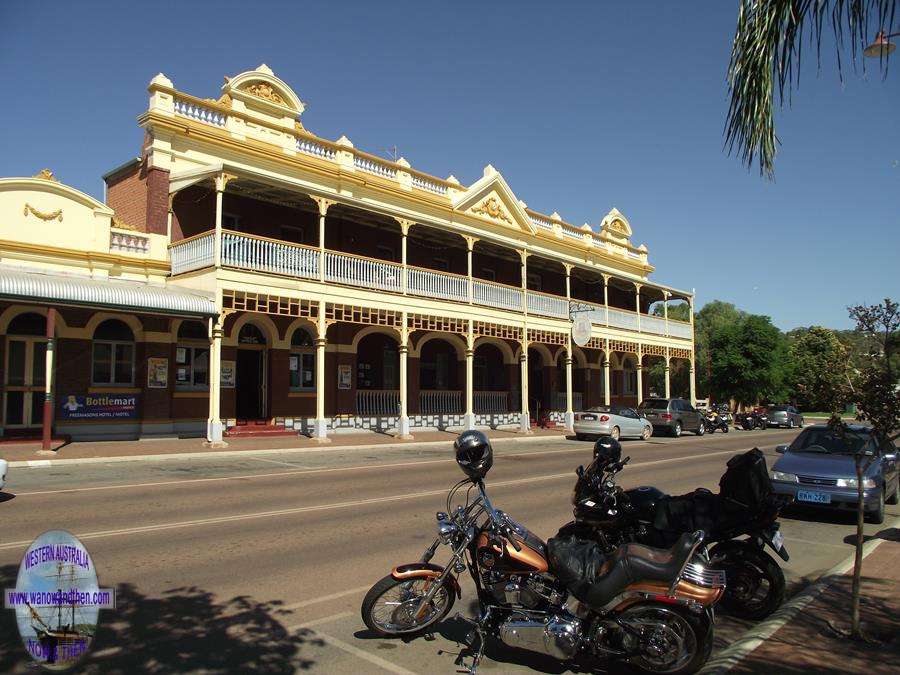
<point>868,483</point>
<point>784,477</point>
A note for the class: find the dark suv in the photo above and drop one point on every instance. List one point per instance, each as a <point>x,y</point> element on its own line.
<point>673,415</point>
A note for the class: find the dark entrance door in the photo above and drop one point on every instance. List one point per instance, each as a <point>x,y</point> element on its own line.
<point>248,384</point>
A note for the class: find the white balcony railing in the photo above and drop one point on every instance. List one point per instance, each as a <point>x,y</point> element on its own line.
<point>491,402</point>
<point>374,167</point>
<point>429,186</point>
<point>548,305</point>
<point>431,284</point>
<point>267,255</point>
<point>622,319</point>
<point>192,254</point>
<point>681,329</point>
<point>495,295</point>
<point>440,402</point>
<point>653,324</point>
<point>366,272</point>
<point>199,113</point>
<point>377,402</point>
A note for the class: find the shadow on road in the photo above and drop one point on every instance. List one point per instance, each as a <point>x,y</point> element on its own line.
<point>185,630</point>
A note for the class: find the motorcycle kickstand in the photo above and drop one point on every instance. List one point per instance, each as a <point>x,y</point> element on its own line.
<point>477,631</point>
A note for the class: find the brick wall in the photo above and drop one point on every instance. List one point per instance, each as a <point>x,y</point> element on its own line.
<point>126,194</point>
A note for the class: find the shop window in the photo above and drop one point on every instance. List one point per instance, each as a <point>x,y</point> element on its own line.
<point>192,356</point>
<point>113,354</point>
<point>302,361</point>
<point>251,335</point>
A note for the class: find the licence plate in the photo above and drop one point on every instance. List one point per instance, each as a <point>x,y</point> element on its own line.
<point>814,497</point>
<point>589,418</point>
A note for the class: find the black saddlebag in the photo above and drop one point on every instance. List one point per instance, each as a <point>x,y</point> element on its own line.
<point>697,510</point>
<point>574,560</point>
<point>746,482</point>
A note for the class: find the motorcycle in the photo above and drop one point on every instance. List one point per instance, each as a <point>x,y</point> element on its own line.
<point>754,419</point>
<point>565,599</point>
<point>745,505</point>
<point>712,421</point>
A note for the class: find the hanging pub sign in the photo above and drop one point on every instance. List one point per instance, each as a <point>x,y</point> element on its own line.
<point>99,406</point>
<point>581,329</point>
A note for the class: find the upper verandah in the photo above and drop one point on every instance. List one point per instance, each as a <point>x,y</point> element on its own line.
<point>258,106</point>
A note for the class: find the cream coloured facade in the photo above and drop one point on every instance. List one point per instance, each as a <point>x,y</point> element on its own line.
<point>315,286</point>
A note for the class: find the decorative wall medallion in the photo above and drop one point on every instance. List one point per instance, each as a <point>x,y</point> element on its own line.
<point>53,215</point>
<point>492,209</point>
<point>46,174</point>
<point>265,91</point>
<point>122,225</point>
<point>617,226</point>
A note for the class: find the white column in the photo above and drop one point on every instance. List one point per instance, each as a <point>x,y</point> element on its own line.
<point>524,256</point>
<point>640,379</point>
<point>470,245</point>
<point>214,422</point>
<point>693,383</point>
<point>637,303</point>
<point>320,428</point>
<point>606,303</point>
<point>221,181</point>
<point>404,273</point>
<point>570,413</point>
<point>606,392</point>
<point>666,295</point>
<point>470,389</point>
<point>668,384</point>
<point>403,424</point>
<point>524,421</point>
<point>323,209</point>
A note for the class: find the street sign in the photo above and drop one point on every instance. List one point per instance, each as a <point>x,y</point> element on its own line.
<point>581,329</point>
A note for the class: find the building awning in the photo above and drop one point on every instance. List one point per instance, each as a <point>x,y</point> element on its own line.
<point>113,294</point>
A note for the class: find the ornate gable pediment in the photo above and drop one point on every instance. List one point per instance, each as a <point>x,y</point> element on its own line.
<point>615,226</point>
<point>490,198</point>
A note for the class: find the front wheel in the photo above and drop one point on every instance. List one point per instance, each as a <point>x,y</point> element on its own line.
<point>672,640</point>
<point>390,607</point>
<point>754,581</point>
<point>725,429</point>
<point>701,429</point>
<point>646,433</point>
<point>676,430</point>
<point>876,515</point>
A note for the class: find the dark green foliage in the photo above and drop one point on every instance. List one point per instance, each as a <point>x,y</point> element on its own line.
<point>746,360</point>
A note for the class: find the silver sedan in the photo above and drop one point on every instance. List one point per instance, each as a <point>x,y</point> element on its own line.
<point>612,420</point>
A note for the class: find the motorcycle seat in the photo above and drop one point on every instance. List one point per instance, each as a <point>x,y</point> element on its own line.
<point>657,564</point>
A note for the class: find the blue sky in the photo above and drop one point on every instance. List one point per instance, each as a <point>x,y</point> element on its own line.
<point>581,105</point>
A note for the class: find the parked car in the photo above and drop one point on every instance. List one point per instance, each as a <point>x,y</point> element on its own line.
<point>818,469</point>
<point>612,420</point>
<point>672,415</point>
<point>784,416</point>
<point>3,467</point>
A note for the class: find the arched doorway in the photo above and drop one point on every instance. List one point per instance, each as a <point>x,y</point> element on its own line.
<point>377,376</point>
<point>490,380</point>
<point>440,384</point>
<point>537,404</point>
<point>250,376</point>
<point>25,371</point>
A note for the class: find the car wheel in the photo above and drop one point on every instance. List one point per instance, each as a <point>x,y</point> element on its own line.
<point>791,423</point>
<point>615,433</point>
<point>896,496</point>
<point>646,433</point>
<point>701,429</point>
<point>876,515</point>
<point>676,430</point>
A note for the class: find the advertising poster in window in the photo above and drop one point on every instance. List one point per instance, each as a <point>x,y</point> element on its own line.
<point>98,406</point>
<point>157,372</point>
<point>344,375</point>
<point>227,379</point>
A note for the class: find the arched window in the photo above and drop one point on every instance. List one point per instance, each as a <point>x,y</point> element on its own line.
<point>29,323</point>
<point>113,354</point>
<point>302,361</point>
<point>251,335</point>
<point>192,356</point>
<point>25,374</point>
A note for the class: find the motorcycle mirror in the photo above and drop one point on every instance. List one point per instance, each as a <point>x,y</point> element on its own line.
<point>580,471</point>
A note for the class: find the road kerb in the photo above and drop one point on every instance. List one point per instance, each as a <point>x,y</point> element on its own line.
<point>741,648</point>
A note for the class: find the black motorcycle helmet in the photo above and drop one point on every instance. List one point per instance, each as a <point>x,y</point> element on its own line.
<point>474,454</point>
<point>607,449</point>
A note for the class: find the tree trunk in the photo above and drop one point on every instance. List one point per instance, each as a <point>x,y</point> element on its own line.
<point>858,558</point>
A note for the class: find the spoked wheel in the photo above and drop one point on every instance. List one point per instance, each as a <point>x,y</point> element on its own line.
<point>646,433</point>
<point>667,639</point>
<point>754,583</point>
<point>615,433</point>
<point>391,607</point>
<point>676,430</point>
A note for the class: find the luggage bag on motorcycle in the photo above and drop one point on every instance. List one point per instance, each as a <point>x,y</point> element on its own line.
<point>746,481</point>
<point>697,510</point>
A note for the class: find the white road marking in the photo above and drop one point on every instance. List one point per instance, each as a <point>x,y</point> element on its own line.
<point>336,505</point>
<point>365,656</point>
<point>789,539</point>
<point>319,622</point>
<point>325,598</point>
<point>275,461</point>
<point>38,463</point>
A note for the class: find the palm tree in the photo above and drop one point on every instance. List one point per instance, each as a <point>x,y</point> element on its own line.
<point>765,61</point>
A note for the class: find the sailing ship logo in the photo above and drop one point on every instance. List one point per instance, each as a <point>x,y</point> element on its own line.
<point>57,600</point>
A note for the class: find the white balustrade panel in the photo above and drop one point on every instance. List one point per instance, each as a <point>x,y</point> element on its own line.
<point>542,223</point>
<point>491,402</point>
<point>559,400</point>
<point>440,402</point>
<point>430,186</point>
<point>192,255</point>
<point>353,271</point>
<point>653,324</point>
<point>495,295</point>
<point>681,329</point>
<point>622,319</point>
<point>377,402</point>
<point>199,113</point>
<point>377,168</point>
<point>264,255</point>
<point>548,305</point>
<point>310,147</point>
<point>598,315</point>
<point>431,284</point>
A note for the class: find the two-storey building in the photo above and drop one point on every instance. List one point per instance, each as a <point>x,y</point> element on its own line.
<point>244,271</point>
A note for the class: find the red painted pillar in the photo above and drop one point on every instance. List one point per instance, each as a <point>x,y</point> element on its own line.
<point>48,381</point>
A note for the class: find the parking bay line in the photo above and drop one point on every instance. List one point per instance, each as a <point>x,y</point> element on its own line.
<point>336,505</point>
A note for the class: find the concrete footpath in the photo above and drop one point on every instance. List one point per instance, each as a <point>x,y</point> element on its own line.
<point>28,454</point>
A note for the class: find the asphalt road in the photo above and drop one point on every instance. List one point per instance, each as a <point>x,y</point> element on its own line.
<point>260,562</point>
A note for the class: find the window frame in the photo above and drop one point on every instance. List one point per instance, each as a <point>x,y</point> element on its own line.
<point>113,345</point>
<point>301,351</point>
<point>192,346</point>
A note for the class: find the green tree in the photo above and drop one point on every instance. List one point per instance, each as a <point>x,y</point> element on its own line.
<point>817,363</point>
<point>765,61</point>
<point>712,316</point>
<point>746,360</point>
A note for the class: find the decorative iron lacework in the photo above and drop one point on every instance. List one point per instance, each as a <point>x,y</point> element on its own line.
<point>680,353</point>
<point>364,315</point>
<point>596,343</point>
<point>497,330</point>
<point>547,337</point>
<point>437,323</point>
<point>653,350</point>
<point>623,346</point>
<point>268,304</point>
